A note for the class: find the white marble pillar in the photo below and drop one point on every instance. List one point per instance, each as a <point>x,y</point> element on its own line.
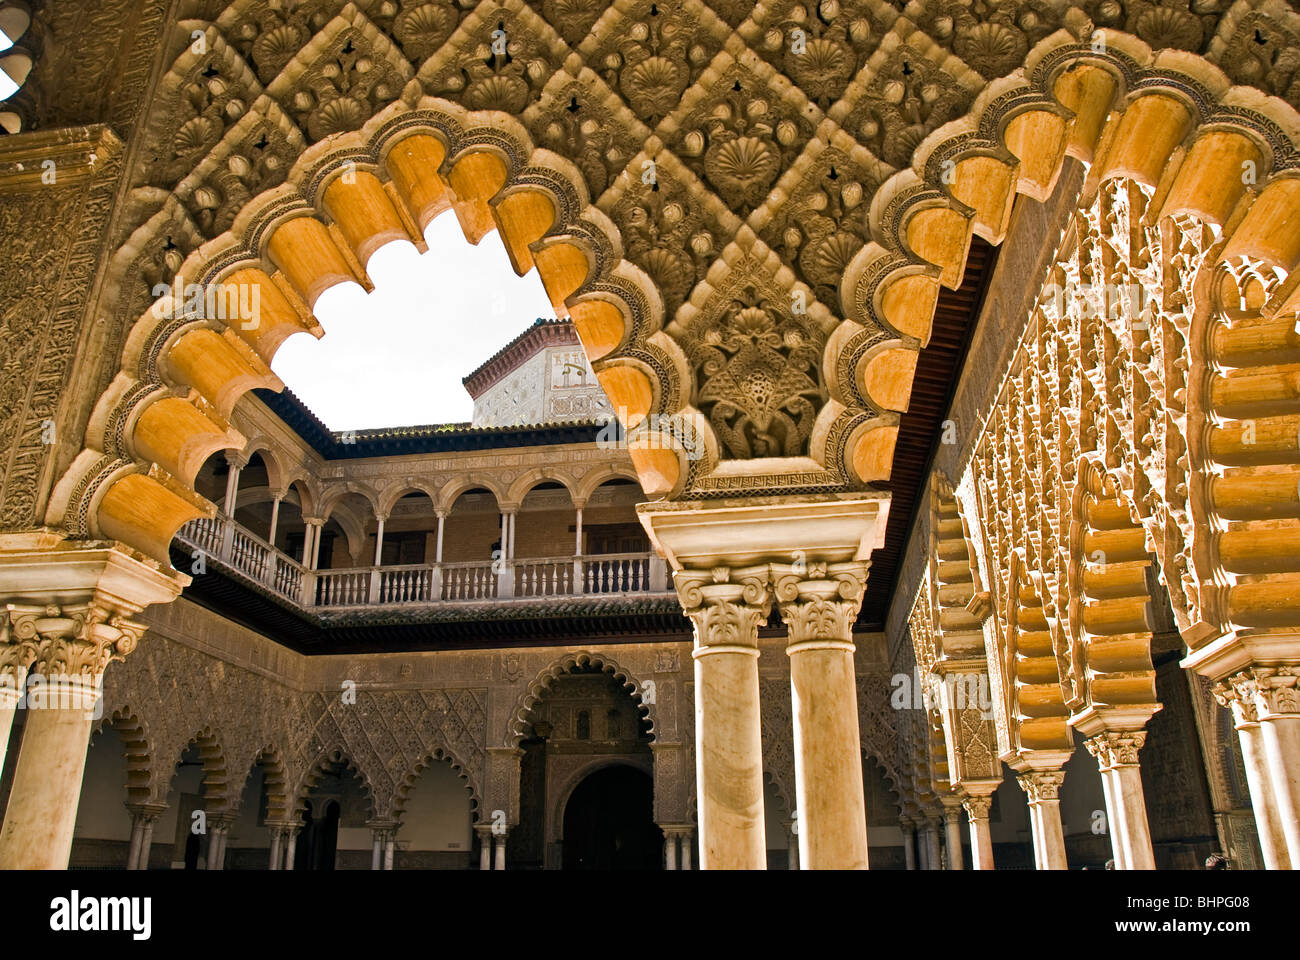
<point>390,849</point>
<point>232,486</point>
<point>42,811</point>
<point>952,835</point>
<point>137,840</point>
<point>484,846</point>
<point>981,840</point>
<point>379,540</point>
<point>276,859</point>
<point>688,841</point>
<point>933,855</point>
<point>1275,691</point>
<point>290,846</point>
<point>308,533</point>
<point>437,556</point>
<point>909,843</point>
<point>1241,701</point>
<point>499,851</point>
<point>1042,790</point>
<point>1121,779</point>
<point>670,849</point>
<point>819,603</point>
<point>376,849</point>
<point>275,518</point>
<point>12,679</point>
<point>726,608</point>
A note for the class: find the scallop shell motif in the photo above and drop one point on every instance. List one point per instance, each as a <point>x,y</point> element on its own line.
<point>673,274</point>
<point>499,92</point>
<point>654,86</point>
<point>992,49</point>
<point>423,29</point>
<point>822,70</point>
<point>742,169</point>
<point>1165,27</point>
<point>337,116</point>
<point>275,48</point>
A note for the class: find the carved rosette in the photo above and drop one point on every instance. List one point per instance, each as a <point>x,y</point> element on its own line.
<point>727,606</point>
<point>1116,748</point>
<point>819,601</point>
<point>1040,785</point>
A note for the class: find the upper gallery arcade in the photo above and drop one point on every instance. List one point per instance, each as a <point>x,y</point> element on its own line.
<point>775,229</point>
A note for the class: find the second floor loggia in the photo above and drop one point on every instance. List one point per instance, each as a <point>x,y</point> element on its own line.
<point>339,547</point>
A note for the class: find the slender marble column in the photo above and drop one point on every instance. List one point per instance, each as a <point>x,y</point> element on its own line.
<point>1121,778</point>
<point>484,846</point>
<point>981,840</point>
<point>670,849</point>
<point>390,849</point>
<point>12,681</point>
<point>933,856</point>
<point>376,849</point>
<point>499,860</point>
<point>727,607</point>
<point>146,842</point>
<point>1277,700</point>
<point>42,811</point>
<point>379,540</point>
<point>290,846</point>
<point>909,843</point>
<point>1240,699</point>
<point>1042,789</point>
<point>819,604</point>
<point>952,828</point>
<point>137,838</point>
<point>688,839</point>
<point>792,845</point>
<point>277,849</point>
<point>275,518</point>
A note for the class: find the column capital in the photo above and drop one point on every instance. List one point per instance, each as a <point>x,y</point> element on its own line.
<point>977,807</point>
<point>1116,748</point>
<point>76,640</point>
<point>146,812</point>
<point>727,605</point>
<point>1272,691</point>
<point>1041,784</point>
<point>819,601</point>
<point>1237,693</point>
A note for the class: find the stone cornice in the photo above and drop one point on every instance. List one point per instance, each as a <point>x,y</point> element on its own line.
<point>76,153</point>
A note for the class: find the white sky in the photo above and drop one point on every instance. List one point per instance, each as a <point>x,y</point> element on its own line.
<point>397,356</point>
<point>7,86</point>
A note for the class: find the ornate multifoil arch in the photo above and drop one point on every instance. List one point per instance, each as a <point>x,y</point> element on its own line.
<point>1110,598</point>
<point>217,798</point>
<point>437,755</point>
<point>137,749</point>
<point>316,769</point>
<point>959,609</point>
<point>275,783</point>
<point>540,685</point>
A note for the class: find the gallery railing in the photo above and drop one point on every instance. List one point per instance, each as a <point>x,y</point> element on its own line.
<point>231,546</point>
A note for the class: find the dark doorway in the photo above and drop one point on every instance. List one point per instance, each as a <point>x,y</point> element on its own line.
<point>318,840</point>
<point>609,823</point>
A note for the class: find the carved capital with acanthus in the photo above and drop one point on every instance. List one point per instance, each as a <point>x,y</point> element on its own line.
<point>726,605</point>
<point>19,643</point>
<point>1237,693</point>
<point>819,602</point>
<point>977,808</point>
<point>1116,748</point>
<point>80,640</point>
<point>1041,785</point>
<point>1276,689</point>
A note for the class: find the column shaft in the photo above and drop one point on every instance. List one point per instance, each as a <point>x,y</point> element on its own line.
<point>42,811</point>
<point>277,844</point>
<point>670,850</point>
<point>137,838</point>
<point>146,844</point>
<point>499,860</point>
<point>952,824</point>
<point>11,691</point>
<point>827,757</point>
<point>1281,736</point>
<point>1263,798</point>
